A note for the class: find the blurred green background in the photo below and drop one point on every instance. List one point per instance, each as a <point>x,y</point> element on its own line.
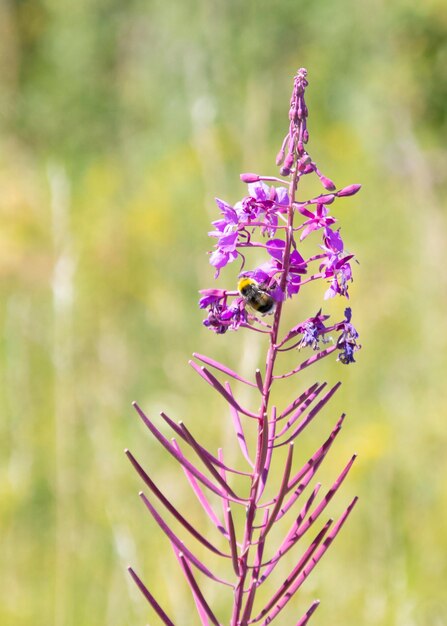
<point>119,123</point>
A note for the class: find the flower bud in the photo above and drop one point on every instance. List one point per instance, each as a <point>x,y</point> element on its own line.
<point>285,170</point>
<point>249,177</point>
<point>327,199</point>
<point>304,162</point>
<point>349,191</point>
<point>280,157</point>
<point>327,183</point>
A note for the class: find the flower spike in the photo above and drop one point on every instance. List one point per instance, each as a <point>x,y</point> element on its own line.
<point>258,241</point>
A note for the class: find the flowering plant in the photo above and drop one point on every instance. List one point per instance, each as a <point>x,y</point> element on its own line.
<point>266,219</point>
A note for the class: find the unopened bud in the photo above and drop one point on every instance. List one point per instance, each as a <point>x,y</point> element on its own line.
<point>349,191</point>
<point>249,177</point>
<point>288,161</point>
<point>304,162</point>
<point>327,183</point>
<point>327,199</point>
<point>280,157</point>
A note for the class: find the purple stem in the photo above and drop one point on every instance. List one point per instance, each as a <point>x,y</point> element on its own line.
<point>295,572</point>
<point>170,507</point>
<point>238,429</point>
<point>186,435</point>
<point>307,570</point>
<point>310,361</point>
<point>306,617</point>
<point>327,498</point>
<point>222,368</point>
<point>177,454</point>
<point>179,544</point>
<point>205,504</point>
<point>201,604</point>
<point>282,491</point>
<point>204,458</point>
<point>300,410</point>
<point>290,539</point>
<point>293,405</point>
<point>310,416</point>
<point>268,457</point>
<point>212,380</point>
<point>318,456</point>
<point>150,598</point>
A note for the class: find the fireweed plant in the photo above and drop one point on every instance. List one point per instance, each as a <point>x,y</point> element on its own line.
<point>272,219</point>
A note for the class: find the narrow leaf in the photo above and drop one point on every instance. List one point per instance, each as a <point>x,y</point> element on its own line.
<point>259,382</point>
<point>233,544</point>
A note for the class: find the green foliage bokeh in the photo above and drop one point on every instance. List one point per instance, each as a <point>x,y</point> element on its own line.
<point>119,124</point>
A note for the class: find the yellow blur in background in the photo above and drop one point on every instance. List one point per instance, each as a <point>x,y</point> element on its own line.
<point>119,124</point>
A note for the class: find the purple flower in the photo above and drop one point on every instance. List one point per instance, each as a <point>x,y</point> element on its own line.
<point>277,422</point>
<point>312,329</point>
<point>336,264</point>
<point>297,265</point>
<point>211,296</point>
<point>263,205</point>
<point>319,219</point>
<point>222,317</point>
<point>347,341</point>
<point>227,235</point>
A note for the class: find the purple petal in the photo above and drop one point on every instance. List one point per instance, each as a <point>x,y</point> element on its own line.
<point>282,196</point>
<point>333,239</point>
<point>259,190</point>
<point>227,210</point>
<point>275,247</point>
<point>219,259</point>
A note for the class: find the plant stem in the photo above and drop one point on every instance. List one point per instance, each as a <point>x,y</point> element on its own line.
<point>263,426</point>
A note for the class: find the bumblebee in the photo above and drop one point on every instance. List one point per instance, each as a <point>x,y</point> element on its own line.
<point>256,298</point>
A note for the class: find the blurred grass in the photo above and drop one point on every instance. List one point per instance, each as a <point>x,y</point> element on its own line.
<point>119,123</point>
